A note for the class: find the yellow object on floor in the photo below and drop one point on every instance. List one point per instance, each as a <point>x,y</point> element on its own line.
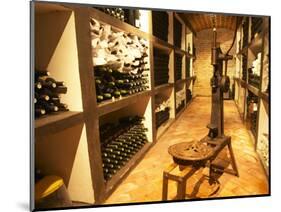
<point>47,186</point>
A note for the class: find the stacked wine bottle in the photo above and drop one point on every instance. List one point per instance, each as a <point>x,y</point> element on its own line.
<point>244,68</point>
<point>120,62</point>
<point>114,84</point>
<point>245,32</point>
<point>254,80</point>
<point>47,94</point>
<point>252,101</point>
<point>188,67</point>
<point>180,96</point>
<point>178,66</point>
<point>256,26</point>
<point>162,108</point>
<point>160,24</point>
<point>114,12</point>
<point>188,95</point>
<point>162,116</point>
<point>177,33</point>
<point>120,142</point>
<point>180,106</point>
<point>161,67</point>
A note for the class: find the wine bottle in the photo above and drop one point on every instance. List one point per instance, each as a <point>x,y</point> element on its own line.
<point>38,86</point>
<point>40,111</point>
<point>47,83</point>
<point>49,107</point>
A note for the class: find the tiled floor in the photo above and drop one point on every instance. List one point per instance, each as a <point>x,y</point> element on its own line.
<point>144,183</point>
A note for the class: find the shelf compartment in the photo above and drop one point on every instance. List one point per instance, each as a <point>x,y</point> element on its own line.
<point>252,113</point>
<point>162,117</point>
<point>160,23</point>
<point>178,67</point>
<point>161,67</point>
<point>253,89</point>
<point>177,33</point>
<point>256,45</point>
<point>51,124</point>
<point>112,105</point>
<point>112,184</point>
<point>180,109</point>
<point>163,87</point>
<point>120,25</point>
<point>164,127</point>
<point>115,23</point>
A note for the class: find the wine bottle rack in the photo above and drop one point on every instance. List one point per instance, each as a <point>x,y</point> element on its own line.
<point>80,67</point>
<point>114,84</point>
<point>161,67</point>
<point>160,23</point>
<point>252,101</point>
<point>162,116</point>
<point>254,80</point>
<point>177,32</point>
<point>245,33</point>
<point>256,26</point>
<point>118,13</point>
<point>120,142</point>
<point>180,99</point>
<point>188,74</point>
<point>180,106</point>
<point>120,59</point>
<point>178,66</point>
<point>188,96</point>
<point>47,94</point>
<point>162,108</point>
<point>244,68</point>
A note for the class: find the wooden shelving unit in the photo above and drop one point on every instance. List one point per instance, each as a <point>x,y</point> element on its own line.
<point>259,44</point>
<point>57,122</point>
<point>63,47</point>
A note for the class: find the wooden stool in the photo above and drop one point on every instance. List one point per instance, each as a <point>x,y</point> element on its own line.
<point>180,178</point>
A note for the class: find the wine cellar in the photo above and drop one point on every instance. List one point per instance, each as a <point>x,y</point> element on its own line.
<point>114,85</point>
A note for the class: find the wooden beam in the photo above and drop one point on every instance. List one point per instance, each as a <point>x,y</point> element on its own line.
<point>187,23</point>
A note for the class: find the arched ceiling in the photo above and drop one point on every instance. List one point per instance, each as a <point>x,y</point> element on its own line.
<point>203,21</point>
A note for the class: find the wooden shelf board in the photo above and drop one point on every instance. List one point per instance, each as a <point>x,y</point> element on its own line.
<point>45,7</point>
<point>160,88</point>
<point>162,45</point>
<point>112,184</point>
<point>189,55</point>
<point>112,105</point>
<point>179,51</point>
<point>190,78</point>
<point>243,83</point>
<point>164,127</point>
<point>54,123</point>
<point>253,89</point>
<point>256,45</point>
<point>180,81</point>
<point>264,96</point>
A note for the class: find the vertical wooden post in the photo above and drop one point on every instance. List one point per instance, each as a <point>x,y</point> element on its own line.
<point>82,27</point>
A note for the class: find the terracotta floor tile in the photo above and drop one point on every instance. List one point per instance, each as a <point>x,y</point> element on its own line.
<point>144,183</point>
